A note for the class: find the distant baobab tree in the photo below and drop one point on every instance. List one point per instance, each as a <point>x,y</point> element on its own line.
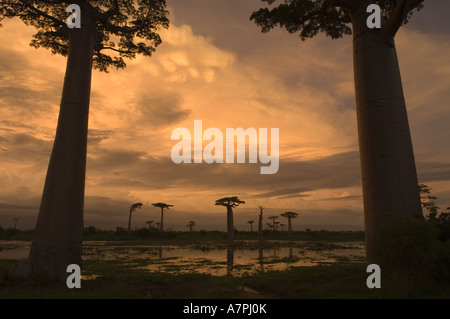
<point>132,209</point>
<point>276,225</point>
<point>251,224</point>
<point>149,222</point>
<point>230,203</point>
<point>388,168</point>
<point>15,222</point>
<point>162,206</point>
<point>282,226</point>
<point>260,223</point>
<point>128,28</point>
<point>191,225</point>
<point>273,221</point>
<point>270,226</point>
<point>289,216</point>
<point>158,225</point>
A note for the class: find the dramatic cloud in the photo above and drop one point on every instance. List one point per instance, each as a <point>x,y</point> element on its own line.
<point>214,65</point>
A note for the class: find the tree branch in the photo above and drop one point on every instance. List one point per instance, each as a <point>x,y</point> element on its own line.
<point>398,15</point>
<point>40,12</point>
<point>104,17</point>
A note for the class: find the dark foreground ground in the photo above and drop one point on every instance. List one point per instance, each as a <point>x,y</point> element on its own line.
<point>123,280</point>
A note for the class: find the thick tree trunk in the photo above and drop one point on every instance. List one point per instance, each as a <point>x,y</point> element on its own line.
<point>58,236</point>
<point>129,221</point>
<point>389,178</point>
<point>260,228</point>
<point>289,226</point>
<point>230,226</point>
<point>161,227</point>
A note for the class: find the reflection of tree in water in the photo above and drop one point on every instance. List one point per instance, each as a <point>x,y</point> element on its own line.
<point>230,261</point>
<point>261,259</point>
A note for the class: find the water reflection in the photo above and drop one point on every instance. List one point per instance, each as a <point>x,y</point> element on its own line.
<point>235,260</point>
<point>230,261</point>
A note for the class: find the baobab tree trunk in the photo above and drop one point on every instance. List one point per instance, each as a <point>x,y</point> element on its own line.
<point>230,226</point>
<point>161,227</point>
<point>129,221</point>
<point>58,236</point>
<point>290,226</point>
<point>260,227</point>
<point>389,178</point>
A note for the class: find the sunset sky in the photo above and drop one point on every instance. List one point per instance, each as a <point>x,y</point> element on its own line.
<point>216,66</point>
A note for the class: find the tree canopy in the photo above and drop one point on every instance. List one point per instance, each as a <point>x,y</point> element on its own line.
<point>332,17</point>
<point>229,202</point>
<point>125,28</point>
<point>289,215</point>
<point>162,205</point>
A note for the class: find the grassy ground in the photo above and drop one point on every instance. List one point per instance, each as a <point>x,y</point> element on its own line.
<point>119,280</point>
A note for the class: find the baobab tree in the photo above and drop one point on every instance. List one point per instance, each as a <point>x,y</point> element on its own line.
<point>282,226</point>
<point>132,209</point>
<point>191,225</point>
<point>15,222</point>
<point>251,224</point>
<point>276,225</point>
<point>162,206</point>
<point>388,167</point>
<point>229,203</point>
<point>260,223</point>
<point>126,28</point>
<point>289,216</point>
<point>149,222</point>
<point>273,221</point>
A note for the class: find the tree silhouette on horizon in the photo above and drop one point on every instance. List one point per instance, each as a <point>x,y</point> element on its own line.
<point>229,203</point>
<point>388,169</point>
<point>260,223</point>
<point>191,226</point>
<point>251,224</point>
<point>289,216</point>
<point>126,28</point>
<point>132,209</point>
<point>162,206</point>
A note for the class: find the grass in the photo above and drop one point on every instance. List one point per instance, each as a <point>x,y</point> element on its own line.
<point>124,281</point>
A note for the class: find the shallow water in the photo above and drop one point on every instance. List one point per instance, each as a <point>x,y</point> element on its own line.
<point>207,258</point>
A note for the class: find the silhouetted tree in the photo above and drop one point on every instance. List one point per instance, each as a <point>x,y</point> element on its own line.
<point>260,224</point>
<point>149,222</point>
<point>132,209</point>
<point>191,225</point>
<point>273,221</point>
<point>388,167</point>
<point>282,226</point>
<point>230,203</point>
<point>162,206</point>
<point>126,27</point>
<point>251,224</point>
<point>15,222</point>
<point>270,226</point>
<point>428,201</point>
<point>289,216</point>
<point>276,225</point>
